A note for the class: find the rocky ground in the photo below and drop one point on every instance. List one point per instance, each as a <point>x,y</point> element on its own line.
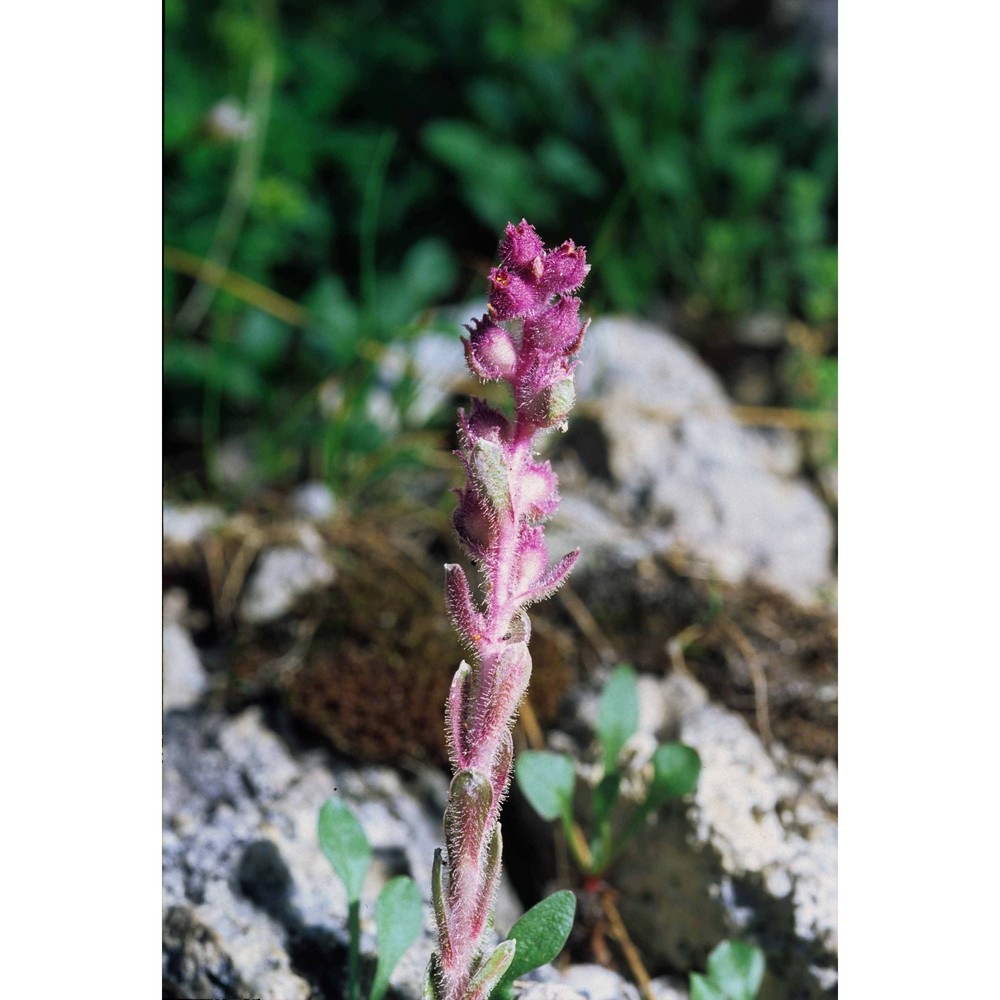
<point>307,654</point>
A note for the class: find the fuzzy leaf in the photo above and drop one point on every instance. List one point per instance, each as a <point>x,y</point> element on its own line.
<point>540,935</point>
<point>398,920</point>
<point>465,616</point>
<point>618,714</point>
<point>457,716</point>
<point>437,901</point>
<point>490,972</point>
<point>547,780</point>
<point>491,878</point>
<point>675,773</point>
<point>345,845</point>
<point>737,968</point>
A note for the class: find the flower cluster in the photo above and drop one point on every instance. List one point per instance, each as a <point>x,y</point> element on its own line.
<point>528,338</point>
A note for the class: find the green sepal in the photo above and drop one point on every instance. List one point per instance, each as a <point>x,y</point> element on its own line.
<point>541,934</point>
<point>437,901</point>
<point>431,989</point>
<point>491,971</point>
<point>345,845</point>
<point>489,467</point>
<point>398,920</point>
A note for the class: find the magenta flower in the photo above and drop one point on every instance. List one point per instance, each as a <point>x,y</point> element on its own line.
<point>528,338</point>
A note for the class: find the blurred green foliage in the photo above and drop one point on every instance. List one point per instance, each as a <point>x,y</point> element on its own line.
<point>382,147</point>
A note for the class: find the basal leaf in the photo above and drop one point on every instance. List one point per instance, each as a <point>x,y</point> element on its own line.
<point>547,780</point>
<point>398,920</point>
<point>345,845</point>
<point>737,968</point>
<point>540,935</point>
<point>675,772</point>
<point>618,715</point>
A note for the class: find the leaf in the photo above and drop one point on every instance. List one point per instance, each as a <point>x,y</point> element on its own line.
<point>703,988</point>
<point>604,797</point>
<point>675,773</point>
<point>345,845</point>
<point>547,780</point>
<point>618,715</point>
<point>485,980</point>
<point>540,935</point>
<point>398,920</point>
<point>737,968</point>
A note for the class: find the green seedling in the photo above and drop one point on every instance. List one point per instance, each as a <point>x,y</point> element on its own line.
<point>398,911</point>
<point>735,972</point>
<point>548,781</point>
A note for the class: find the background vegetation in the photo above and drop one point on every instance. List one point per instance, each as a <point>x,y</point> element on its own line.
<point>345,167</point>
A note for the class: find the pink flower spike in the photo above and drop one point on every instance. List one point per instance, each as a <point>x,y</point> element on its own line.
<point>529,341</point>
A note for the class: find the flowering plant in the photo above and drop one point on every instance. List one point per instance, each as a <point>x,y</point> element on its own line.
<point>528,338</point>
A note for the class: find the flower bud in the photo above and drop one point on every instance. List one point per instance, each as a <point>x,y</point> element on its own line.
<point>550,406</point>
<point>475,527</point>
<point>489,350</point>
<point>555,330</point>
<point>520,244</point>
<point>565,268</point>
<point>512,296</point>
<point>539,490</point>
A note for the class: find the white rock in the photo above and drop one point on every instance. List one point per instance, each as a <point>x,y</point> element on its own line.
<point>184,525</point>
<point>314,501</point>
<point>283,575</point>
<point>597,983</point>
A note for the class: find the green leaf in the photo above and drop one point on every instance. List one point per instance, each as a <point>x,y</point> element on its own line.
<point>345,845</point>
<point>618,715</point>
<point>263,339</point>
<point>675,773</point>
<point>605,795</point>
<point>704,989</point>
<point>398,920</point>
<point>737,968</point>
<point>540,935</point>
<point>547,780</point>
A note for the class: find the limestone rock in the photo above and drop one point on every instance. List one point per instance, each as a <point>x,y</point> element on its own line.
<point>251,905</point>
<point>284,573</point>
<point>752,856</point>
<point>184,678</point>
<point>681,471</point>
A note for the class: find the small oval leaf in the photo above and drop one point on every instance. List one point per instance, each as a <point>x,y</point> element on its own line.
<point>737,968</point>
<point>675,772</point>
<point>618,713</point>
<point>547,780</point>
<point>345,845</point>
<point>704,989</point>
<point>541,934</point>
<point>398,920</point>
